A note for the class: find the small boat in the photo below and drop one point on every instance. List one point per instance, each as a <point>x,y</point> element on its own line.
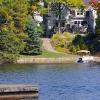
<point>84,56</point>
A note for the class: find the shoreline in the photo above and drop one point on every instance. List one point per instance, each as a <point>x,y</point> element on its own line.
<point>60,60</point>
<point>43,60</point>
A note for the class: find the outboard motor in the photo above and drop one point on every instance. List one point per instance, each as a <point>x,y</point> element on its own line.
<point>80,60</point>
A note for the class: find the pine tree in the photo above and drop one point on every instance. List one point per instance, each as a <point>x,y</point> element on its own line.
<point>33,41</point>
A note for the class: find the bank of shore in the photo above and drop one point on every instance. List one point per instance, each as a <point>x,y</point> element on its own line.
<point>61,60</point>
<point>46,60</point>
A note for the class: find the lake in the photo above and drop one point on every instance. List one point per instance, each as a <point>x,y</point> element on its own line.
<point>56,81</point>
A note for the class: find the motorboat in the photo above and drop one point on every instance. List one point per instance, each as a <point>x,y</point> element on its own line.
<point>84,56</point>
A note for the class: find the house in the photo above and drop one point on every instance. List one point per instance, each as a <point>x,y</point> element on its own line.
<point>71,20</point>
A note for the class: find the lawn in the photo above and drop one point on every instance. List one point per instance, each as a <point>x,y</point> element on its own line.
<point>48,54</point>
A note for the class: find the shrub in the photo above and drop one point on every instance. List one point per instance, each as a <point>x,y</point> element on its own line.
<point>61,41</point>
<point>73,49</point>
<point>60,49</point>
<point>80,42</point>
<point>7,58</point>
<point>68,36</point>
<point>57,40</point>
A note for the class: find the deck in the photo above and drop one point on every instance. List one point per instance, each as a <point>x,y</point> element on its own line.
<point>18,91</point>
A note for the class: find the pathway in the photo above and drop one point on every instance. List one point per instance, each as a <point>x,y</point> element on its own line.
<point>47,45</point>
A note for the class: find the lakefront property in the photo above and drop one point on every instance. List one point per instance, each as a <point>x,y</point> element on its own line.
<point>49,49</point>
<point>72,20</point>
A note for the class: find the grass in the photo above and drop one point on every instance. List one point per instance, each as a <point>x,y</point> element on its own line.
<point>48,54</point>
<point>51,54</point>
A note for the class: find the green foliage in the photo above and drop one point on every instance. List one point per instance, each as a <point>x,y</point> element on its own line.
<point>33,41</point>
<point>73,49</point>
<point>10,45</point>
<point>61,41</point>
<point>15,28</point>
<point>13,14</point>
<point>76,3</point>
<point>8,58</point>
<point>68,36</point>
<point>57,40</point>
<point>94,43</point>
<point>78,43</point>
<point>9,42</point>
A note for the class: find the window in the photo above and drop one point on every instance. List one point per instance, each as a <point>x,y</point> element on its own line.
<point>62,23</point>
<point>79,22</point>
<point>84,23</point>
<point>75,22</point>
<point>79,12</point>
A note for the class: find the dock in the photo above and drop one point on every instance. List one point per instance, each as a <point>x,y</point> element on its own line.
<point>18,92</point>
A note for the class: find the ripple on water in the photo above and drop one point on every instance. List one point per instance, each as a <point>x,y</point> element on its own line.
<point>58,81</point>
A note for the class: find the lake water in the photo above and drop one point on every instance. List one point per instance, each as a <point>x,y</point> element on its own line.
<point>58,81</point>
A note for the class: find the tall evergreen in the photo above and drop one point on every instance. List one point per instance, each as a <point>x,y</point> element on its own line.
<point>33,41</point>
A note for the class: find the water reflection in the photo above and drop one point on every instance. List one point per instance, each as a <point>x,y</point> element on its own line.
<point>57,81</point>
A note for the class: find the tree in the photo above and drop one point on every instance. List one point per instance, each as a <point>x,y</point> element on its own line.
<point>13,14</point>
<point>33,41</point>
<point>10,45</point>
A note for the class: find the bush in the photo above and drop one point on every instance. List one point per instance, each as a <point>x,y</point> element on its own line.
<point>79,43</point>
<point>7,58</point>
<point>60,49</point>
<point>58,40</point>
<point>73,49</point>
<point>68,36</point>
<point>61,41</point>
